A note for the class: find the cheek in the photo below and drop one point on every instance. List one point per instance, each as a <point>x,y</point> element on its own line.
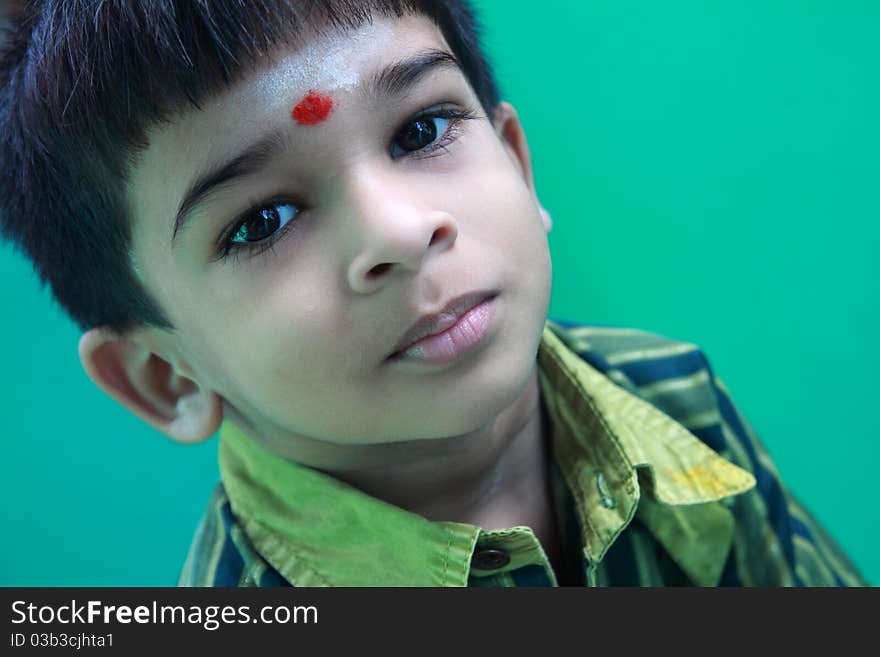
<point>289,332</point>
<point>500,210</point>
<point>256,337</point>
<point>509,220</point>
<point>279,369</point>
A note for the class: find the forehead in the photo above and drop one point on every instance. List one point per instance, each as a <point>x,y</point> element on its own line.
<point>332,62</point>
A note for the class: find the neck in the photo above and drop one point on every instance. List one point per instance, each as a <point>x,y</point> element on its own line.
<point>494,477</point>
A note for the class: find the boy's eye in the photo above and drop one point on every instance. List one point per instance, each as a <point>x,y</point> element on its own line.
<point>263,223</point>
<point>419,134</point>
<point>257,229</point>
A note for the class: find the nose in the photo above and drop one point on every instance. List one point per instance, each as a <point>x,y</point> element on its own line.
<point>393,227</point>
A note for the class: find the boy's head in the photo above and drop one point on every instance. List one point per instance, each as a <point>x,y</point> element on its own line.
<point>246,207</point>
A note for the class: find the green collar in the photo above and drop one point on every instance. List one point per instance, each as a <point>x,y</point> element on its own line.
<point>610,446</point>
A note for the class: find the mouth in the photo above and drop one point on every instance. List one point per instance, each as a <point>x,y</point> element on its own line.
<point>443,336</point>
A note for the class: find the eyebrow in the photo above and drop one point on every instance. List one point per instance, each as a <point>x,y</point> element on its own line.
<point>394,81</point>
<point>399,78</point>
<point>247,163</point>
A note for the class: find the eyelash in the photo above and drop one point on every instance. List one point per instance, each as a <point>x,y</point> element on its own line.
<point>226,248</point>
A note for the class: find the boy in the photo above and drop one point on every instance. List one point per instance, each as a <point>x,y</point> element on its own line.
<point>313,226</point>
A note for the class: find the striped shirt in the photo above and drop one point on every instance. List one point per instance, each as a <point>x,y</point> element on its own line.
<point>657,480</point>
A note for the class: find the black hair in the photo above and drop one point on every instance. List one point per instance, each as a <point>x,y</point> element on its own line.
<point>82,81</point>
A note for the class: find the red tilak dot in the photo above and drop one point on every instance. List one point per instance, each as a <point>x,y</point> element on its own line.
<point>313,109</point>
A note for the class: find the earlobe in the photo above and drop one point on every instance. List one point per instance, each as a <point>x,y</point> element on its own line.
<point>546,219</point>
<point>131,373</point>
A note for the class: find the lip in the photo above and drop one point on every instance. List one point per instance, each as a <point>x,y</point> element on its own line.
<point>440,321</point>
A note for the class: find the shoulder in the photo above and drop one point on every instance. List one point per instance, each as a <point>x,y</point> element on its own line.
<point>778,540</point>
<point>673,375</point>
<point>221,554</point>
<point>676,377</point>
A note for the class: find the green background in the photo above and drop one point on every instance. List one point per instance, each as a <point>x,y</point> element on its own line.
<point>712,170</point>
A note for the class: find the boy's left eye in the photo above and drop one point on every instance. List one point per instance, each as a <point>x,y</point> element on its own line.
<point>419,134</point>
<point>429,131</point>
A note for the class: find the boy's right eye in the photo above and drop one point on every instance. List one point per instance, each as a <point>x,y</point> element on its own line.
<point>259,228</point>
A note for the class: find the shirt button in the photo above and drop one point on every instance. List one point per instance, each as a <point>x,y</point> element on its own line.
<point>604,493</point>
<point>489,559</point>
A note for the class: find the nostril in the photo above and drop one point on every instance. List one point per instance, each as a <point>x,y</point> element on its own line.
<point>439,234</point>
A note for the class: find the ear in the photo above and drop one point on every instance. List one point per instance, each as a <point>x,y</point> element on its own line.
<point>128,370</point>
<point>510,131</point>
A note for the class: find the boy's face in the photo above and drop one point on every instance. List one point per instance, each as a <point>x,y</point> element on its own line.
<point>374,230</point>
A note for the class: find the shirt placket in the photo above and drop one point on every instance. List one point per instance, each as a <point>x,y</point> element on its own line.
<point>510,558</point>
